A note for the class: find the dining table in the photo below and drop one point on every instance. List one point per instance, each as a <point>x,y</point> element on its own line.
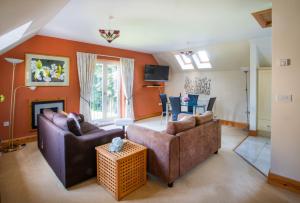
<point>186,104</point>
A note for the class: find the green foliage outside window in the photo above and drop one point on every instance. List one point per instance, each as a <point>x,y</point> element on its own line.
<point>112,82</point>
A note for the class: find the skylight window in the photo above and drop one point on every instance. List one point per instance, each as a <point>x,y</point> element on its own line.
<point>184,61</point>
<point>203,56</point>
<point>201,59</point>
<point>13,36</point>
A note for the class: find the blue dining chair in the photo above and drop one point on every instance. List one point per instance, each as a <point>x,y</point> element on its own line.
<point>176,107</point>
<point>164,101</point>
<point>193,101</point>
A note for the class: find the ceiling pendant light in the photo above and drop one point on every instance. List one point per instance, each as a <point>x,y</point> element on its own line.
<point>109,34</point>
<point>187,53</point>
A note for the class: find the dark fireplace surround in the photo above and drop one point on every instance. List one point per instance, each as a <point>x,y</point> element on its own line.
<point>37,107</point>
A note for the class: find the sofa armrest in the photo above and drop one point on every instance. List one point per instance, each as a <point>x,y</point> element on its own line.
<point>163,151</point>
<point>88,142</point>
<point>81,155</point>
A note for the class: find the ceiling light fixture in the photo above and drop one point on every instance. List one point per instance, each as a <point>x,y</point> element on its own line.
<point>187,53</point>
<point>109,34</point>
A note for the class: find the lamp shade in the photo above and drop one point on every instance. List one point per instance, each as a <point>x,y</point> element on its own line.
<point>14,60</point>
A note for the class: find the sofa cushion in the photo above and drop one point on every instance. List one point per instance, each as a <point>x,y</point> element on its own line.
<point>74,127</point>
<point>60,120</point>
<point>204,118</point>
<point>76,118</point>
<point>185,123</point>
<point>49,114</point>
<point>86,127</point>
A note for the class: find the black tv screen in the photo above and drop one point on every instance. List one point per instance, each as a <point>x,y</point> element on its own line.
<point>156,73</point>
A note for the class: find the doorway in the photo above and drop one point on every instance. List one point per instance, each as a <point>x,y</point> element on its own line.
<point>105,100</point>
<point>256,150</point>
<point>264,101</point>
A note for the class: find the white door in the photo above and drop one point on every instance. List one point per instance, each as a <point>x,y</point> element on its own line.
<point>105,101</point>
<point>264,101</point>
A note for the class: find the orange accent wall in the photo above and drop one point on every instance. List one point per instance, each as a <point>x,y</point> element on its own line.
<point>145,99</point>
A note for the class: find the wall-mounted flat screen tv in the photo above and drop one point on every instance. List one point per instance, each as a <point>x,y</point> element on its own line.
<point>156,73</point>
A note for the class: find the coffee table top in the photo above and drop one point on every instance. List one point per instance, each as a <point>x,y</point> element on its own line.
<point>128,149</point>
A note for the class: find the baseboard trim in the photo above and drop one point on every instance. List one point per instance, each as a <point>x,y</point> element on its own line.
<point>284,182</point>
<point>252,133</point>
<point>148,116</point>
<point>234,124</point>
<point>20,140</point>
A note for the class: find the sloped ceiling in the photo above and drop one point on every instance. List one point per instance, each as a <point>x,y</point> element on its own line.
<point>223,56</point>
<point>264,51</point>
<point>14,13</point>
<point>159,25</point>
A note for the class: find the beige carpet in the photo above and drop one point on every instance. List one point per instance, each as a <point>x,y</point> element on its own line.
<point>25,177</point>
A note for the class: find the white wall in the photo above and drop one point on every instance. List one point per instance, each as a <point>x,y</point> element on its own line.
<point>227,85</point>
<point>285,135</point>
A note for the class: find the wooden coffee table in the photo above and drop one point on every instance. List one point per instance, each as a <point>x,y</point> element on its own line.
<point>122,172</point>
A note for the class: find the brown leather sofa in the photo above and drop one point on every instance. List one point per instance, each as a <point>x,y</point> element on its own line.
<point>72,158</point>
<point>171,156</point>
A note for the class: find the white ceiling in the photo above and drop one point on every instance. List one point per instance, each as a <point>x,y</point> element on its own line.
<point>159,25</point>
<point>222,56</point>
<point>14,13</point>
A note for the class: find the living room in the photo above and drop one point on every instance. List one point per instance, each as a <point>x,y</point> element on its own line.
<point>79,75</point>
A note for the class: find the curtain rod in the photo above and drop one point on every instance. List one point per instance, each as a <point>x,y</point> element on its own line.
<point>112,56</point>
<point>109,56</point>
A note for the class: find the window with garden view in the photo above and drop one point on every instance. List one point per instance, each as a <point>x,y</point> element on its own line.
<point>105,101</point>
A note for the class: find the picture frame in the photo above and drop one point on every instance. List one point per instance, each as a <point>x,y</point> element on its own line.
<point>44,70</point>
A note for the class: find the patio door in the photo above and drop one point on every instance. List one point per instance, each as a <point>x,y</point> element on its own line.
<point>105,101</point>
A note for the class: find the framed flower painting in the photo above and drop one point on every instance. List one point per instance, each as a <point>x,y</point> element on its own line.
<point>44,70</point>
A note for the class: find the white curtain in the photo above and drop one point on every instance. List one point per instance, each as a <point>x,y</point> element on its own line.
<point>86,66</point>
<point>127,74</point>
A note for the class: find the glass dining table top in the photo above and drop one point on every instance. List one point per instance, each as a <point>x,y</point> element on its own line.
<point>187,104</point>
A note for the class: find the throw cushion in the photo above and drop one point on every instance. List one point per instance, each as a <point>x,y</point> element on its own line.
<point>49,114</point>
<point>61,121</point>
<point>81,116</point>
<point>76,118</point>
<point>74,127</point>
<point>185,123</point>
<point>204,118</point>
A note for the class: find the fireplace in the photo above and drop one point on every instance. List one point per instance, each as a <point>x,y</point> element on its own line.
<point>37,107</point>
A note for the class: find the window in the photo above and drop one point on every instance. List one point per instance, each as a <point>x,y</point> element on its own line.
<point>13,36</point>
<point>201,60</point>
<point>105,100</point>
<point>184,61</point>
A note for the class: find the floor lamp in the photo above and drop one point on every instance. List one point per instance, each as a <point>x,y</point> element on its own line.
<point>246,70</point>
<point>11,146</point>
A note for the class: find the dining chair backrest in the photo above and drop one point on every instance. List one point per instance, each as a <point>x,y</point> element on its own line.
<point>164,101</point>
<point>176,107</point>
<point>193,100</point>
<point>211,104</point>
